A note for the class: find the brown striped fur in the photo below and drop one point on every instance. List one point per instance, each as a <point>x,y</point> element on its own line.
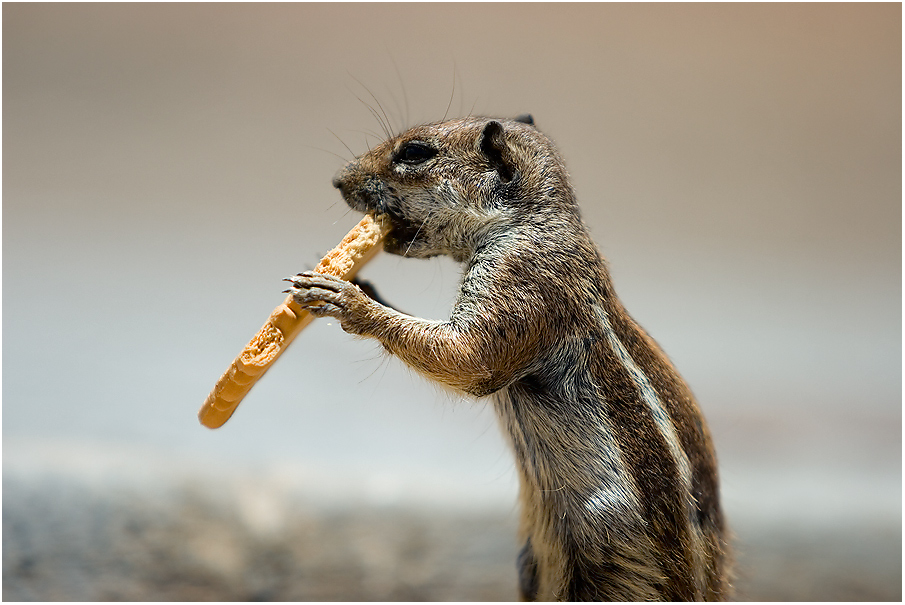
<point>618,479</point>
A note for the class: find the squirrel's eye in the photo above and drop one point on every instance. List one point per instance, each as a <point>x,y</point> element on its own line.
<point>415,152</point>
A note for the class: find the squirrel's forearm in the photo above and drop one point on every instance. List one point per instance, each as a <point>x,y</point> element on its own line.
<point>459,356</point>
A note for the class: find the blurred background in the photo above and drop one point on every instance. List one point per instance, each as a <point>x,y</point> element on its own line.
<point>166,165</point>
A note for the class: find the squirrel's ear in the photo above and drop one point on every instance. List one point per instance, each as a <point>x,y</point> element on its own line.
<point>494,147</point>
<point>525,118</point>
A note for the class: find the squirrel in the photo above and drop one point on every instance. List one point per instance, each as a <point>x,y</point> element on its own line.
<point>618,486</point>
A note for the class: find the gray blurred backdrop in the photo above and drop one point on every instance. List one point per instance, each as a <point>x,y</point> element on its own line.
<point>166,165</point>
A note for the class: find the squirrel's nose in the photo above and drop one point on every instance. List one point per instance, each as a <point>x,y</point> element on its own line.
<point>341,179</point>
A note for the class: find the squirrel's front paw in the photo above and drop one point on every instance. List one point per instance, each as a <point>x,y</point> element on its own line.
<point>325,295</point>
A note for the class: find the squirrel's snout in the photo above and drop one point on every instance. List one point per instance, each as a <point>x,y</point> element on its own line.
<point>338,179</point>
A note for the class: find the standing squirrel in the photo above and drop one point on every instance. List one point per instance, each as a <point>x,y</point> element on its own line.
<point>618,476</point>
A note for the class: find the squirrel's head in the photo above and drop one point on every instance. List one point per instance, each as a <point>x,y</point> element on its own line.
<point>446,186</point>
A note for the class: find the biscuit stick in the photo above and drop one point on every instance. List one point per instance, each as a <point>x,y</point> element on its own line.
<point>354,251</point>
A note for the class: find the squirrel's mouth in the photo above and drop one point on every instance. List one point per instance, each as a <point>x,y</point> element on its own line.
<point>404,232</point>
<point>402,235</point>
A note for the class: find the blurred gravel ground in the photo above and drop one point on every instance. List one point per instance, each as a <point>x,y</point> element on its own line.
<point>75,541</point>
<point>68,542</point>
<point>797,564</point>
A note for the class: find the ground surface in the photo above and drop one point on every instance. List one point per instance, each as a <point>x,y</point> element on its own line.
<point>77,541</point>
